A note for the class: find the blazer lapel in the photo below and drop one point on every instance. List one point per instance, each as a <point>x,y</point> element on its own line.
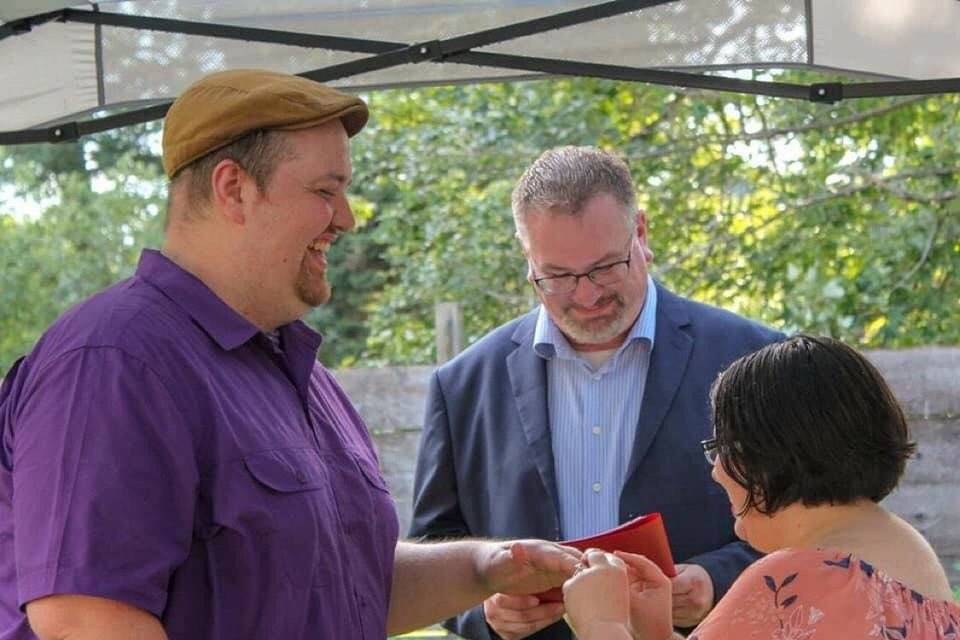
<point>528,381</point>
<point>668,362</point>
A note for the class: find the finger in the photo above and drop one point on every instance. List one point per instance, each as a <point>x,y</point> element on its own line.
<point>516,630</point>
<point>612,559</point>
<point>544,556</point>
<point>689,583</point>
<point>573,551</point>
<point>594,557</point>
<point>505,601</point>
<point>543,613</point>
<point>646,569</point>
<point>685,582</point>
<point>685,619</point>
<point>681,588</point>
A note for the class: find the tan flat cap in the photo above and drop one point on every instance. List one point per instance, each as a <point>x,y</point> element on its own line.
<point>223,107</point>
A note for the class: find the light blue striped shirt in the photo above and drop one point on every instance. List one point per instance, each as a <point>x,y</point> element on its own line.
<point>593,419</point>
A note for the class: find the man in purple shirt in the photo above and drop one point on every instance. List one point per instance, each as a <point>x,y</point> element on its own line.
<point>175,463</point>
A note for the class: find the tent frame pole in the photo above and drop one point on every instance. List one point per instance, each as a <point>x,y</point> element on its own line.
<point>458,49</point>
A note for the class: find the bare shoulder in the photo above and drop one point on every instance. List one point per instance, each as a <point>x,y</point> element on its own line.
<point>912,561</point>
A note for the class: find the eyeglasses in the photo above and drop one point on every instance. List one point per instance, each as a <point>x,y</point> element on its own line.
<point>604,275</point>
<point>711,450</point>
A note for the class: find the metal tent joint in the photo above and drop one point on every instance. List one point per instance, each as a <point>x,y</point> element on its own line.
<point>830,92</point>
<point>427,51</point>
<point>64,132</point>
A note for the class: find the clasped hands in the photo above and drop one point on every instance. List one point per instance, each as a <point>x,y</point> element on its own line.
<point>605,595</point>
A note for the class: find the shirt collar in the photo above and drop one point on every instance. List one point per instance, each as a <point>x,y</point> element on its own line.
<point>224,325</point>
<point>549,341</point>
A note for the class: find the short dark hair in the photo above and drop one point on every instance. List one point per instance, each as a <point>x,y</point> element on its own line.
<point>258,152</point>
<point>809,420</point>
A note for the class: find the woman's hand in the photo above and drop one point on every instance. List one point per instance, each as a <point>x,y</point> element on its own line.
<point>650,598</point>
<point>597,598</point>
<point>621,595</point>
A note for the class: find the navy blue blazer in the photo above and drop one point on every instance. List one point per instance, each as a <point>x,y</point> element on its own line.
<point>485,467</point>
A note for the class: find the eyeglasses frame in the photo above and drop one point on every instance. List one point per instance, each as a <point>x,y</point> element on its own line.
<point>586,274</point>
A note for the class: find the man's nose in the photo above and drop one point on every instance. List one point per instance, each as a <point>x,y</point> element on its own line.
<point>343,218</point>
<point>587,292</point>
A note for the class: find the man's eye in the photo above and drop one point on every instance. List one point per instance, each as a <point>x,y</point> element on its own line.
<point>602,270</point>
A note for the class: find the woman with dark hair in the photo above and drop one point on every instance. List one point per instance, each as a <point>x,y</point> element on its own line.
<point>808,439</point>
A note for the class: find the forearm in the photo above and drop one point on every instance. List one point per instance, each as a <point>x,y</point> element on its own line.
<point>76,617</point>
<point>434,581</point>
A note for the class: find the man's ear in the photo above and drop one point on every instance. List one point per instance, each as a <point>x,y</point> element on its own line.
<point>228,190</point>
<point>642,235</point>
<point>526,255</point>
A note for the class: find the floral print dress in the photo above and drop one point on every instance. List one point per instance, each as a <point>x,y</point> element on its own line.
<point>795,594</point>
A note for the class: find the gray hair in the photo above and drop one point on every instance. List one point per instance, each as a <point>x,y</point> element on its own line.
<point>564,179</point>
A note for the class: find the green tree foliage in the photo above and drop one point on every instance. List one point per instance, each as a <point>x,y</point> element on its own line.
<point>100,203</point>
<point>833,219</point>
<point>840,219</point>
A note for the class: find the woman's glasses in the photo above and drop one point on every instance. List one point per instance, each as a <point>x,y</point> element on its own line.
<point>711,450</point>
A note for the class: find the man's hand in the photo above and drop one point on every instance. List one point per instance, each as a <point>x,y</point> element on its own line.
<point>516,617</point>
<point>525,567</point>
<point>692,595</point>
<point>435,581</point>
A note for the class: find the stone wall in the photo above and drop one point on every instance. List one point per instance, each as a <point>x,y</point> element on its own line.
<point>925,380</point>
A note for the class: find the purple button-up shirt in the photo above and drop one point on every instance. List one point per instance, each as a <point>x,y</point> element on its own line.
<point>158,450</point>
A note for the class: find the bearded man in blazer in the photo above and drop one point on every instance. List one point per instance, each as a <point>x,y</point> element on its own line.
<point>589,410</point>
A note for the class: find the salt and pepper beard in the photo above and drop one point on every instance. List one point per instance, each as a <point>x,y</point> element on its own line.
<point>596,330</point>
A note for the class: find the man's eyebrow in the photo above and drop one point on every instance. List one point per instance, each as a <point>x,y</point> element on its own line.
<point>609,257</point>
<point>336,177</point>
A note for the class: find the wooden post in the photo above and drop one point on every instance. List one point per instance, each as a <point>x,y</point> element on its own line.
<point>449,330</point>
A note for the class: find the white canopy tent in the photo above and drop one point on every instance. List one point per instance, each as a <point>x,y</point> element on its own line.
<point>70,70</point>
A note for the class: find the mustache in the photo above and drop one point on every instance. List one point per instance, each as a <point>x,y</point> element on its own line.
<point>613,297</point>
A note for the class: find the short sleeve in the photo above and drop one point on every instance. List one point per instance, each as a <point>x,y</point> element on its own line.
<point>789,594</point>
<point>104,481</point>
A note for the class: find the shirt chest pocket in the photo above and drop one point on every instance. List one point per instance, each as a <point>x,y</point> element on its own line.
<point>274,514</point>
<point>362,497</point>
<point>287,471</point>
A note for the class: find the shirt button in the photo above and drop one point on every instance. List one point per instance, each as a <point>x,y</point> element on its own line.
<point>596,487</point>
<point>596,431</point>
<point>301,477</point>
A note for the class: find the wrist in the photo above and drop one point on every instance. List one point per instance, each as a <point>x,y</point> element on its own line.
<point>604,630</point>
<point>482,559</point>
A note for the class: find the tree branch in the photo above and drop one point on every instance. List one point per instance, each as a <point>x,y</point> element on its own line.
<point>860,182</point>
<point>928,247</point>
<point>685,145</point>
